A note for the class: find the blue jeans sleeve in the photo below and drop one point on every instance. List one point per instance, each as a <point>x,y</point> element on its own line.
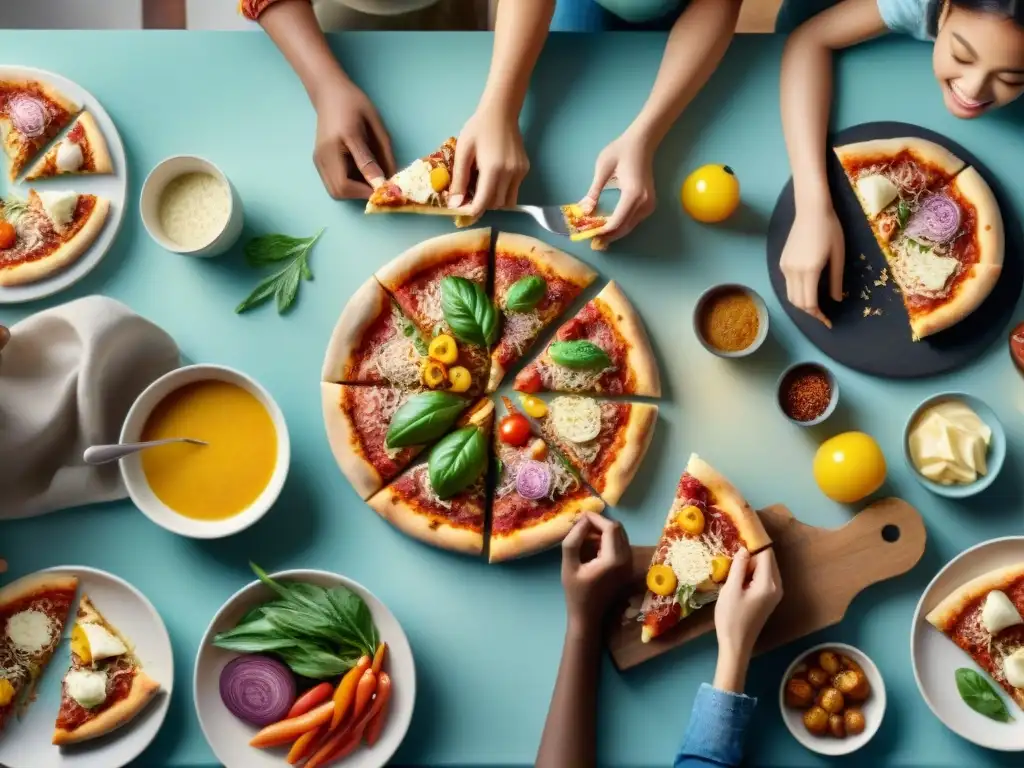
<point>717,727</point>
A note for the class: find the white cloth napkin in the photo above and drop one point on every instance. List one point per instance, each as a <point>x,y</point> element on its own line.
<point>67,379</point>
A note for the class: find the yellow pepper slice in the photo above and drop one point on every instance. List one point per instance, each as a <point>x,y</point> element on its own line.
<point>459,379</point>
<point>440,178</point>
<point>434,374</point>
<point>80,644</point>
<point>538,449</point>
<point>6,692</point>
<point>661,580</point>
<point>691,520</point>
<point>533,406</point>
<point>443,349</point>
<point>720,565</point>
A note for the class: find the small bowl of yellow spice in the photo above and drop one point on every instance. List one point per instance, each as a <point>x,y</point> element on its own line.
<point>730,320</point>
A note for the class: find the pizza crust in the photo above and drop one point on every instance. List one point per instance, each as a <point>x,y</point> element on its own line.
<point>143,689</point>
<point>564,266</point>
<point>22,150</point>
<point>544,535</point>
<point>730,501</point>
<point>946,613</point>
<point>362,311</point>
<point>640,357</point>
<point>27,586</point>
<point>431,253</point>
<point>430,210</point>
<point>637,439</point>
<point>428,527</point>
<point>928,151</point>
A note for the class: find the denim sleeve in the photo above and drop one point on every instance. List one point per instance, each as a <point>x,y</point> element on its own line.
<point>717,727</point>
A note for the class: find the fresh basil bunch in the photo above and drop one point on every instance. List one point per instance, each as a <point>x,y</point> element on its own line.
<point>468,311</point>
<point>424,417</point>
<point>579,355</point>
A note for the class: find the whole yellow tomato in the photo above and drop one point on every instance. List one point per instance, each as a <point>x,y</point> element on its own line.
<point>849,467</point>
<point>711,193</point>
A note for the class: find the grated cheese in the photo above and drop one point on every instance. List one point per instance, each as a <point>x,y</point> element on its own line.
<point>194,209</point>
<point>422,477</point>
<point>398,362</point>
<point>689,559</point>
<point>520,329</point>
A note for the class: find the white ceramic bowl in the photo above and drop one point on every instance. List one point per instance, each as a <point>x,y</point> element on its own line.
<point>135,479</point>
<point>229,737</point>
<point>152,189</point>
<point>873,708</point>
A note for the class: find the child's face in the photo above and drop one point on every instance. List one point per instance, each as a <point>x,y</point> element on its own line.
<point>978,61</point>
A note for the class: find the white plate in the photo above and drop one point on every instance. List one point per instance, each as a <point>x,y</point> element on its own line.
<point>113,187</point>
<point>229,737</point>
<point>936,658</point>
<point>25,743</point>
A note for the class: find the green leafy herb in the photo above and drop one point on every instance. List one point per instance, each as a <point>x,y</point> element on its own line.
<point>409,330</point>
<point>579,355</point>
<point>423,418</point>
<point>920,246</point>
<point>499,465</point>
<point>271,250</point>
<point>468,311</point>
<point>980,696</point>
<point>14,208</point>
<point>457,461</point>
<point>683,595</point>
<point>526,293</point>
<point>903,213</point>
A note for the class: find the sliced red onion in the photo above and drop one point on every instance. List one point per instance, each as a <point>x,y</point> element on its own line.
<point>937,220</point>
<point>28,115</point>
<point>533,479</point>
<point>257,689</point>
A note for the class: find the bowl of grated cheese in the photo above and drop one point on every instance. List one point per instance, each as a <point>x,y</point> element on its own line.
<point>189,206</point>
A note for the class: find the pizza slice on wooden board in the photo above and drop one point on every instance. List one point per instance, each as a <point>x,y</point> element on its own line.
<point>603,350</point>
<point>604,440</point>
<point>31,114</point>
<point>442,501</point>
<point>584,226</point>
<point>421,187</point>
<point>984,619</point>
<point>105,686</point>
<point>538,497</point>
<point>709,522</point>
<point>33,612</point>
<point>534,284</point>
<point>82,150</point>
<point>375,432</point>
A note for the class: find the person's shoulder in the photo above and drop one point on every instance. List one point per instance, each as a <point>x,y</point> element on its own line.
<point>910,17</point>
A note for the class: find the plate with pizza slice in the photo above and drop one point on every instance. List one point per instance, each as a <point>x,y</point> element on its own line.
<point>101,696</point>
<point>967,644</point>
<point>63,207</point>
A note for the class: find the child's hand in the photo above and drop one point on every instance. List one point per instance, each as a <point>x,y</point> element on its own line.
<point>816,240</point>
<point>629,162</point>
<point>491,144</point>
<point>353,150</point>
<point>591,584</point>
<point>742,609</point>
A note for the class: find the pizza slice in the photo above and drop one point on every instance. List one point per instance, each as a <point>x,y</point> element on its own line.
<point>604,350</point>
<point>31,114</point>
<point>47,233</point>
<point>375,432</point>
<point>33,612</point>
<point>441,285</point>
<point>421,187</point>
<point>585,226</point>
<point>83,150</point>
<point>604,440</point>
<point>442,500</point>
<point>707,524</point>
<point>534,284</point>
<point>105,686</point>
<point>984,619</point>
<point>538,497</point>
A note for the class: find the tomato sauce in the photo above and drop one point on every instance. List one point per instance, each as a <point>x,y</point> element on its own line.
<point>382,330</point>
<point>932,174</point>
<point>370,434</point>
<point>512,512</point>
<point>466,508</point>
<point>593,323</point>
<point>458,263</point>
<point>120,676</point>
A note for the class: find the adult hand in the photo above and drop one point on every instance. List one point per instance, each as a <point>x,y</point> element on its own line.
<point>629,161</point>
<point>816,240</point>
<point>742,608</point>
<point>491,144</point>
<point>591,584</point>
<point>353,150</point>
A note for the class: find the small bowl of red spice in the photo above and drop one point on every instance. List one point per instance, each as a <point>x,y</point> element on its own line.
<point>807,393</point>
<point>730,320</point>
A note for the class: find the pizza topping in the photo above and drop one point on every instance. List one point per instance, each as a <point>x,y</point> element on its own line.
<point>468,311</point>
<point>999,612</point>
<point>397,362</point>
<point>423,418</point>
<point>69,157</point>
<point>661,580</point>
<point>689,559</point>
<point>690,519</point>
<point>439,178</point>
<point>28,114</point>
<point>457,461</point>
<point>937,220</point>
<point>579,355</point>
<point>31,630</point>
<point>534,406</point>
<point>720,567</point>
<point>514,429</point>
<point>876,192</point>
<point>526,293</point>
<point>919,271</point>
<point>520,329</point>
<point>8,235</point>
<point>6,692</point>
<point>86,686</point>
<point>1013,668</point>
<point>59,206</point>
<point>533,479</point>
<point>538,449</point>
<point>415,182</point>
<point>576,419</point>
<point>443,349</point>
<point>93,642</point>
<point>434,374</point>
<point>459,378</point>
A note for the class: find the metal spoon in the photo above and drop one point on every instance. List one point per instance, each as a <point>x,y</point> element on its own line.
<point>103,454</point>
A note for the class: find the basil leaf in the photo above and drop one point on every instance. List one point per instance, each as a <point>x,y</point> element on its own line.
<point>579,355</point>
<point>253,637</point>
<point>420,344</point>
<point>526,293</point>
<point>903,213</point>
<point>288,288</point>
<point>980,695</point>
<point>424,418</point>
<point>268,249</point>
<point>683,595</point>
<point>354,615</point>
<point>271,250</point>
<point>313,662</point>
<point>468,311</point>
<point>457,461</point>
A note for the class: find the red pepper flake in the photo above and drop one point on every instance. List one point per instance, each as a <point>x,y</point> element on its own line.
<point>805,393</point>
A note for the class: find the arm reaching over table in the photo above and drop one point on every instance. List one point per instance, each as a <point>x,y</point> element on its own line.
<point>353,149</point>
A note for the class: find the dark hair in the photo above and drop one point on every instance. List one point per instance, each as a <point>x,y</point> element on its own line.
<point>1007,9</point>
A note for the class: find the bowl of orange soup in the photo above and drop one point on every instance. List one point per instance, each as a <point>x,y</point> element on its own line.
<point>213,490</point>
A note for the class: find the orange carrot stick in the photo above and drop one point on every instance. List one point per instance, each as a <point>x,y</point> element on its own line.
<point>304,744</point>
<point>314,697</point>
<point>289,730</point>
<point>378,658</point>
<point>346,691</point>
<point>337,742</point>
<point>364,692</point>
<point>376,725</point>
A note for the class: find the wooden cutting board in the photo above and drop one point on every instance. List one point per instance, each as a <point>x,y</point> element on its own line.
<point>822,571</point>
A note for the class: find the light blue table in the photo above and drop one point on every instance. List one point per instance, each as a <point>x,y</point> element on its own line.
<point>487,639</point>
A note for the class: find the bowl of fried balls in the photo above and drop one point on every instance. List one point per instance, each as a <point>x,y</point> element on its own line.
<point>832,699</point>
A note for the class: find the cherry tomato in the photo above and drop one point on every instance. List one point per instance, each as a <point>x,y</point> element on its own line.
<point>514,429</point>
<point>529,381</point>
<point>7,235</point>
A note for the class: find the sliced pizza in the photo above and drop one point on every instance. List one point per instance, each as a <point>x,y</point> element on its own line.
<point>421,187</point>
<point>375,343</point>
<point>604,350</point>
<point>31,114</point>
<point>604,440</point>
<point>47,233</point>
<point>441,285</point>
<point>442,500</point>
<point>538,497</point>
<point>585,226</point>
<point>33,612</point>
<point>708,523</point>
<point>534,284</point>
<point>82,150</point>
<point>984,619</point>
<point>105,686</point>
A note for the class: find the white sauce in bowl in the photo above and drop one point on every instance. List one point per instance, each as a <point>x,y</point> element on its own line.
<point>194,209</point>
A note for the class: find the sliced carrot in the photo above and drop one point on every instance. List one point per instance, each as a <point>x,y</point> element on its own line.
<point>337,743</point>
<point>378,658</point>
<point>346,691</point>
<point>289,730</point>
<point>304,744</point>
<point>314,697</point>
<point>376,725</point>
<point>364,692</point>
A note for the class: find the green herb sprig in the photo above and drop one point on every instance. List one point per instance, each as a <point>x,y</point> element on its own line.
<point>457,461</point>
<point>271,250</point>
<point>979,695</point>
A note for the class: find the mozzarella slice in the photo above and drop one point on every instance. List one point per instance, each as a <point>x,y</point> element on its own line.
<point>576,419</point>
<point>59,206</point>
<point>414,182</point>
<point>999,612</point>
<point>920,273</point>
<point>87,687</point>
<point>1013,668</point>
<point>103,644</point>
<point>876,192</point>
<point>69,156</point>
<point>31,630</point>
